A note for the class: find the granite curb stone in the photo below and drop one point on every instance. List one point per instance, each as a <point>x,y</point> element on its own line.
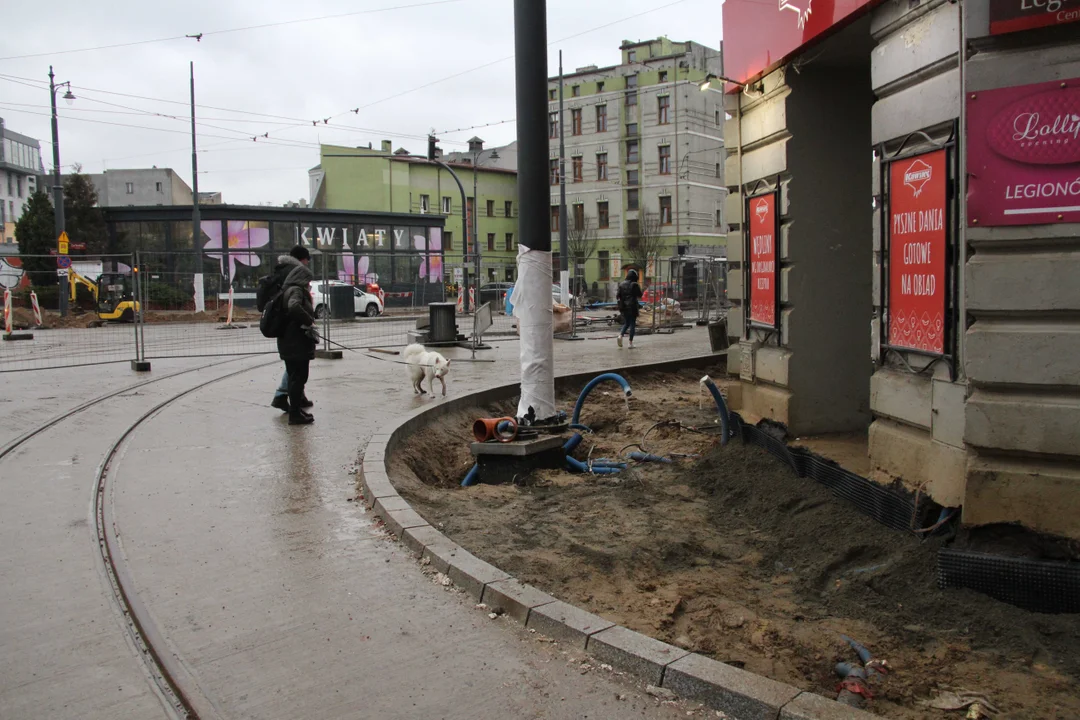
<point>565,622</point>
<point>737,692</point>
<point>639,654</point>
<point>515,598</point>
<point>399,520</point>
<point>471,574</point>
<point>808,706</point>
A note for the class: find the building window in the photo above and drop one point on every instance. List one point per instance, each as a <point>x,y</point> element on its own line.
<point>158,188</point>
<point>448,237</point>
<point>509,242</point>
<point>447,208</point>
<point>662,104</point>
<point>554,218</point>
<point>603,220</point>
<point>631,151</point>
<point>631,98</point>
<point>665,210</point>
<point>553,94</point>
<point>575,91</point>
<point>631,129</point>
<point>553,170</point>
<point>604,258</point>
<point>632,199</point>
<point>717,169</point>
<point>631,55</point>
<point>553,125</point>
<point>719,217</point>
<point>579,216</point>
<point>632,178</point>
<point>665,159</point>
<point>491,208</point>
<point>130,188</point>
<point>632,232</point>
<point>601,118</point>
<point>575,121</point>
<point>508,208</point>
<point>717,118</point>
<point>631,82</point>
<point>601,166</point>
<point>631,89</point>
<point>576,164</point>
<point>663,76</point>
<point>491,242</point>
<point>510,275</point>
<point>425,203</point>
<point>599,87</point>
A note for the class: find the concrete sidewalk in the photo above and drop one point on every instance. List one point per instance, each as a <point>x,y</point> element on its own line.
<point>273,588</point>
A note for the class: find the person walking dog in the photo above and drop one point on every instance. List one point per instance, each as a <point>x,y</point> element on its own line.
<point>267,289</point>
<point>627,297</point>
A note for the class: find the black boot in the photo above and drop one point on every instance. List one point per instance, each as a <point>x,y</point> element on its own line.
<point>299,417</point>
<point>305,403</point>
<point>281,402</point>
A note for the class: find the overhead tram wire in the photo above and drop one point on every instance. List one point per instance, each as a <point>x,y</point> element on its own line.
<point>198,37</point>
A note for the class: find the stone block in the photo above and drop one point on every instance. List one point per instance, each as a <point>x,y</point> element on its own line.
<point>376,485</point>
<point>808,706</point>
<point>735,321</point>
<point>735,283</point>
<point>1023,353</point>
<point>1024,422</point>
<point>390,503</point>
<point>768,401</point>
<point>902,396</point>
<point>949,399</point>
<point>736,692</point>
<point>771,364</point>
<point>764,162</point>
<point>514,598</point>
<point>911,455</point>
<point>441,554</point>
<point>471,574</point>
<point>1042,496</point>
<point>633,652</point>
<point>1004,282</point>
<point>421,539</point>
<point>924,41</point>
<point>398,520</point>
<point>764,119</point>
<point>990,70</point>
<point>932,102</point>
<point>566,623</point>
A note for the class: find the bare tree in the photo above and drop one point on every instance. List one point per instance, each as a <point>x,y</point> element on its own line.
<point>644,244</point>
<point>582,243</point>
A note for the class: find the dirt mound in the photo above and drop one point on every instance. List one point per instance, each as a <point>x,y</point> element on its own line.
<point>731,555</point>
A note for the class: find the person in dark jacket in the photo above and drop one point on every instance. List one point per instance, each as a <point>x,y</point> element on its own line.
<point>627,297</point>
<point>296,344</point>
<point>280,271</point>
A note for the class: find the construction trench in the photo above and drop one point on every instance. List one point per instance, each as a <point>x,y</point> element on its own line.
<point>724,549</point>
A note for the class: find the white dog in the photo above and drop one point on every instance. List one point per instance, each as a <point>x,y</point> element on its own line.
<point>425,365</point>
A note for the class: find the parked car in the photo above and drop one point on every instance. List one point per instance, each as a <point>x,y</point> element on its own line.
<point>493,292</point>
<point>364,303</point>
<point>556,296</point>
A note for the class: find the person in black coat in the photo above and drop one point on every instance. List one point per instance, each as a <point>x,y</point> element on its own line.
<point>627,297</point>
<point>296,344</point>
<point>279,273</point>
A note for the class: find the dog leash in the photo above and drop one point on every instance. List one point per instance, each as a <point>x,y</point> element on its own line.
<point>368,355</point>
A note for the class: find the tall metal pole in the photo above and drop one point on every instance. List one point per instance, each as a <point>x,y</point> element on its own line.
<point>58,189</point>
<point>476,227</point>
<point>533,309</point>
<point>564,243</point>
<point>196,220</point>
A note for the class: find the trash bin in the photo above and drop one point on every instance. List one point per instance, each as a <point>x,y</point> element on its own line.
<point>342,306</point>
<point>442,322</point>
<point>718,338</point>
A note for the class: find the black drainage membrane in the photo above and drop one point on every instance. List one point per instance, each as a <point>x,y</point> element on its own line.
<point>1041,586</point>
<point>890,506</point>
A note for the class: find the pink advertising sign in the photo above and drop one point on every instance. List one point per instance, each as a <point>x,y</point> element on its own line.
<point>1023,154</point>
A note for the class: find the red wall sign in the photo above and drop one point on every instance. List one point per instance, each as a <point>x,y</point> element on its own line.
<point>1008,16</point>
<point>917,247</point>
<point>763,256</point>
<point>1023,154</point>
<point>761,34</point>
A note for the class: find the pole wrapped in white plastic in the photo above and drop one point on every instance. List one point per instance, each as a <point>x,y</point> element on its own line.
<point>532,307</point>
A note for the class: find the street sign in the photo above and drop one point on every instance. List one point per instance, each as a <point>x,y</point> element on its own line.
<point>63,261</point>
<point>62,272</point>
<point>63,243</point>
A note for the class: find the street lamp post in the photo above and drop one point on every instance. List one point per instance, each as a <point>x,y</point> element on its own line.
<point>58,189</point>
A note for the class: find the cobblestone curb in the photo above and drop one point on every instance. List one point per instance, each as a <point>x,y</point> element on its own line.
<point>737,692</point>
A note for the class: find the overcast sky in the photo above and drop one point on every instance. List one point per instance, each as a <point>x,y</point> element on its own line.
<point>300,71</point>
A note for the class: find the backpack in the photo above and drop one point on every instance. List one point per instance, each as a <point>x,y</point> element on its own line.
<point>269,299</point>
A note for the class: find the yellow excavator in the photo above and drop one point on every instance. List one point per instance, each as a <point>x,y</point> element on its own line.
<point>115,304</point>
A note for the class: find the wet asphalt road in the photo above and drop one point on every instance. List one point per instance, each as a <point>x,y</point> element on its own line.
<point>275,592</point>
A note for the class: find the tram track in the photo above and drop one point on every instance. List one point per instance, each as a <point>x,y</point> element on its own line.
<point>173,683</point>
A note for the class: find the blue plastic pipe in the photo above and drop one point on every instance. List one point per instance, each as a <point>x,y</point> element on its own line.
<point>576,464</point>
<point>648,457</point>
<point>575,423</point>
<point>721,409</point>
<point>572,443</point>
<point>471,477</point>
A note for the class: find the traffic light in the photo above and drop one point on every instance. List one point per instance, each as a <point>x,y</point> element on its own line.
<point>431,140</point>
